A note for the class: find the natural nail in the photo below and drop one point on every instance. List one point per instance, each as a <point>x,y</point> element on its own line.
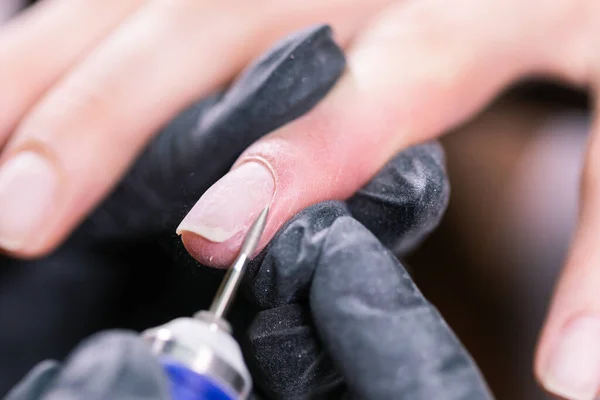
<point>574,369</point>
<point>28,189</point>
<point>231,204</point>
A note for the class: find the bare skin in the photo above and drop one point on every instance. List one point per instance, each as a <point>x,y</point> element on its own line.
<point>86,83</point>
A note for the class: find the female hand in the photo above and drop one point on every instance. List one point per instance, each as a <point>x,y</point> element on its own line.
<point>86,83</point>
<point>417,70</point>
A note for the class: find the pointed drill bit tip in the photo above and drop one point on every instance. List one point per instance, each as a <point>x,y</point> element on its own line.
<point>255,233</point>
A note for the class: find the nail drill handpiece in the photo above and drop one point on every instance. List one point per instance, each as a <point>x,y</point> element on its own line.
<point>200,357</point>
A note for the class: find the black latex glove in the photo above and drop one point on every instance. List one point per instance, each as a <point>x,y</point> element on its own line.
<point>108,366</point>
<point>114,252</point>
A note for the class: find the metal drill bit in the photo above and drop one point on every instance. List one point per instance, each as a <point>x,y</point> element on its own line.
<point>233,278</point>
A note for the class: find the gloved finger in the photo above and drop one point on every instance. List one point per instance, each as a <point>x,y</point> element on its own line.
<point>282,348</point>
<point>407,198</point>
<point>48,306</point>
<point>383,335</point>
<point>36,382</point>
<point>287,278</point>
<point>416,72</point>
<point>110,365</point>
<point>200,146</point>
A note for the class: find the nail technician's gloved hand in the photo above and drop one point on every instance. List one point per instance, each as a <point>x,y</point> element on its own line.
<point>338,312</point>
<point>338,315</point>
<point>113,365</point>
<point>331,311</point>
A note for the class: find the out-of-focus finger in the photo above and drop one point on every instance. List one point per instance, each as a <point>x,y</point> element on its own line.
<point>71,149</point>
<point>568,354</point>
<point>39,46</point>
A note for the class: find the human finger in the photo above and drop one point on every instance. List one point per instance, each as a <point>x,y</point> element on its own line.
<point>419,69</point>
<point>71,148</point>
<point>568,354</point>
<point>39,46</point>
<point>383,335</point>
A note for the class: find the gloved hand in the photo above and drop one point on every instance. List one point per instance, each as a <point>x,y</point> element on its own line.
<point>114,365</point>
<point>340,315</point>
<point>336,312</point>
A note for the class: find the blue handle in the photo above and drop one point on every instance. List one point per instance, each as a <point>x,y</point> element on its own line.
<point>188,385</point>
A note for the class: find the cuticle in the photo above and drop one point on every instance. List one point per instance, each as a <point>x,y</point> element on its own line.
<point>265,163</point>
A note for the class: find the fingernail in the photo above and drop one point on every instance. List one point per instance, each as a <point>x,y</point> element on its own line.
<point>574,369</point>
<point>28,187</point>
<point>231,204</point>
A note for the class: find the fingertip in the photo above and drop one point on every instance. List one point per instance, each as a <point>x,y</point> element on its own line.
<point>35,247</point>
<point>27,253</point>
<point>539,363</point>
<point>213,254</point>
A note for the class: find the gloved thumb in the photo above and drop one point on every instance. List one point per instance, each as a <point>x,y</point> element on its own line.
<point>110,365</point>
<point>385,338</point>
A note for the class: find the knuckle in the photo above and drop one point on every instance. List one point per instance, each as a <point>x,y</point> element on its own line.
<point>67,104</point>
